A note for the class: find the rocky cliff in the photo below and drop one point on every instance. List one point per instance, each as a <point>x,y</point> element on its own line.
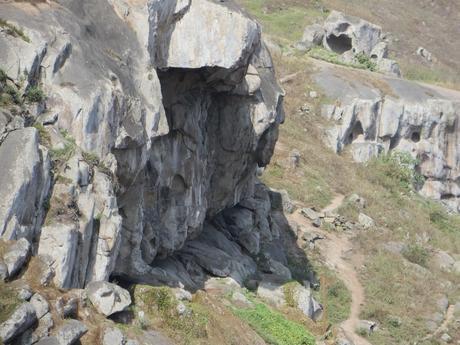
<point>132,147</point>
<point>374,116</point>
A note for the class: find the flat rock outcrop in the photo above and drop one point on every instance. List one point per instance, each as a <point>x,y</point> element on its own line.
<point>401,115</point>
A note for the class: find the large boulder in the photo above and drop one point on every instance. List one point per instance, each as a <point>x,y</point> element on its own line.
<point>70,332</point>
<point>108,298</point>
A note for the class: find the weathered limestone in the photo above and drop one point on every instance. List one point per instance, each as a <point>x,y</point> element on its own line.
<point>178,119</point>
<point>405,116</point>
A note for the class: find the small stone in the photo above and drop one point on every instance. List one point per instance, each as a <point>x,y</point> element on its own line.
<point>70,332</point>
<point>40,304</point>
<point>25,294</point>
<point>313,94</point>
<point>446,337</point>
<point>365,221</point>
<point>113,336</point>
<point>317,222</point>
<point>294,158</point>
<point>181,309</point>
<point>310,213</point>
<point>183,295</point>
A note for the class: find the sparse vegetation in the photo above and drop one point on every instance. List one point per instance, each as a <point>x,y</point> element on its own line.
<point>416,254</point>
<point>286,23</point>
<point>8,301</point>
<point>13,30</point>
<point>273,327</point>
<point>362,61</point>
<point>45,138</point>
<point>160,307</point>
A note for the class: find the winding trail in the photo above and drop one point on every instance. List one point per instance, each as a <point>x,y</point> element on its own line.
<point>337,251</point>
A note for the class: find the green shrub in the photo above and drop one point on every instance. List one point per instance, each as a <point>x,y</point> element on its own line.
<point>395,171</point>
<point>366,62</point>
<point>416,254</point>
<point>34,95</point>
<point>273,327</point>
<point>12,93</point>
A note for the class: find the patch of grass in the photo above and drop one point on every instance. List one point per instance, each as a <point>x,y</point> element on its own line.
<point>13,30</point>
<point>273,327</point>
<point>8,301</point>
<point>416,254</point>
<point>159,302</point>
<point>34,95</point>
<point>289,290</point>
<point>286,21</point>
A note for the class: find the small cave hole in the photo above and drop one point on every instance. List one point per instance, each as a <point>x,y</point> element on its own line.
<point>339,44</point>
<point>415,137</point>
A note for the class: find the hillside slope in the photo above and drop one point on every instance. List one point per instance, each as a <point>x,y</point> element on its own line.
<point>407,257</point>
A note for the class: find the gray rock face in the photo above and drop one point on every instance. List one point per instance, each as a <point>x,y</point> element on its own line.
<point>16,256</point>
<point>108,298</point>
<point>179,116</point>
<point>22,319</point>
<point>422,121</point>
<point>70,332</point>
<point>60,242</point>
<point>24,184</point>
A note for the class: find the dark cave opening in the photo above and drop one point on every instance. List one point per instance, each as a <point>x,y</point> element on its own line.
<point>339,44</point>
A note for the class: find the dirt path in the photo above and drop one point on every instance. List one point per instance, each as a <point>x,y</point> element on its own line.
<point>338,253</point>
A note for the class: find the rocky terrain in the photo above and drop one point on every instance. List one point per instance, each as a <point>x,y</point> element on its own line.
<point>159,185</point>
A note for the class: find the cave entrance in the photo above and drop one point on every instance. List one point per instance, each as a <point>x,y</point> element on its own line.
<point>415,137</point>
<point>339,44</point>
